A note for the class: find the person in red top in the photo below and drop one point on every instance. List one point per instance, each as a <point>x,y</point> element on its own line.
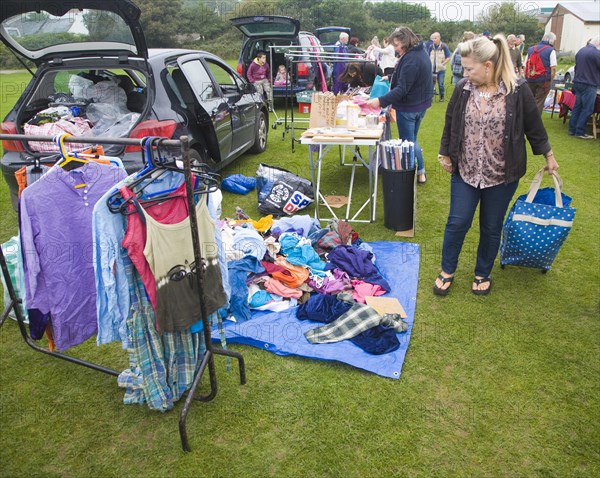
<point>259,74</point>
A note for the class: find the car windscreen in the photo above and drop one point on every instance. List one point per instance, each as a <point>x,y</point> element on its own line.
<point>38,30</point>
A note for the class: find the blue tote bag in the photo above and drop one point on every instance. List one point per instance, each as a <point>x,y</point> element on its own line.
<point>380,87</point>
<point>537,225</point>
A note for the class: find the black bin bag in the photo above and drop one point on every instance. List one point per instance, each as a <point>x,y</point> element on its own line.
<point>281,192</point>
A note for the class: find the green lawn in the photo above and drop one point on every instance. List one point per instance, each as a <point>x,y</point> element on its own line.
<point>504,385</point>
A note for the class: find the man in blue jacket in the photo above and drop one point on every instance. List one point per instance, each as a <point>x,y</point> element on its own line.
<point>585,85</point>
<point>540,86</point>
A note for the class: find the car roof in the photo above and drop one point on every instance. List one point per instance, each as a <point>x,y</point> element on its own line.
<point>156,53</point>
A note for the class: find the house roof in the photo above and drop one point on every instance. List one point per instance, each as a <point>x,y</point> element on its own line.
<point>587,12</point>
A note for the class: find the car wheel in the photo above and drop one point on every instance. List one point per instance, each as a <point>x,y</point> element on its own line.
<point>567,77</point>
<point>199,158</point>
<point>260,140</point>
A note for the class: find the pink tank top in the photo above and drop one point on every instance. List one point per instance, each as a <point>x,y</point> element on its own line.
<point>172,211</point>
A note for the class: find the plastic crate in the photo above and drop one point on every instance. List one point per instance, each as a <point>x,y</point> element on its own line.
<point>303,107</point>
<point>304,96</point>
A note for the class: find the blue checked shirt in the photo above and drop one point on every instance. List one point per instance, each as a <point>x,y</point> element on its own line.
<point>161,367</point>
<point>359,318</point>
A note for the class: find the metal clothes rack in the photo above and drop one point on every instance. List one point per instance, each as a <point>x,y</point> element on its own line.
<point>297,55</point>
<point>15,303</point>
<point>289,87</point>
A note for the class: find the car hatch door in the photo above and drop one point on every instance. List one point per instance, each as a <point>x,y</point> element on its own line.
<point>213,106</point>
<point>255,26</point>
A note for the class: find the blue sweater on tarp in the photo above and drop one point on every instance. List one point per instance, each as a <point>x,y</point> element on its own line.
<point>238,272</point>
<point>327,308</point>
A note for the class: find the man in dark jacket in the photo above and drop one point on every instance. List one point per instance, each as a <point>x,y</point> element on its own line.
<point>541,86</point>
<point>585,85</point>
<point>341,50</point>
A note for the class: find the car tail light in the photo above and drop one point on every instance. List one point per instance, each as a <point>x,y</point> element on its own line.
<point>9,127</point>
<point>302,69</point>
<point>240,69</point>
<point>164,129</point>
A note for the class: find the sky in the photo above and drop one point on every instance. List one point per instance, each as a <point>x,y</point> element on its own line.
<point>455,10</point>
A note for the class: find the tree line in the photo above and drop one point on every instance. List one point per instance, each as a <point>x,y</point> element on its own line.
<point>204,24</point>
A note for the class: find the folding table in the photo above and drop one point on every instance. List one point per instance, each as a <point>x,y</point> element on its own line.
<point>320,145</point>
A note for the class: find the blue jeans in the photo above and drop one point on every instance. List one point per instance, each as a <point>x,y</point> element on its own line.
<point>439,77</point>
<point>408,128</point>
<point>463,202</point>
<point>585,100</point>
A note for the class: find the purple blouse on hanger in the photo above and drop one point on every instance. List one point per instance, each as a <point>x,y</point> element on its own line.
<point>56,235</point>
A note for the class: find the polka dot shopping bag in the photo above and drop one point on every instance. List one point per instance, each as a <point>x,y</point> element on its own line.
<point>537,225</point>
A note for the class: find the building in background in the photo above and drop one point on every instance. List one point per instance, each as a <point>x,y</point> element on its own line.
<point>574,24</point>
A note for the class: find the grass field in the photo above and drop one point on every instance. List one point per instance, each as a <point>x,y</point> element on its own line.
<point>504,385</point>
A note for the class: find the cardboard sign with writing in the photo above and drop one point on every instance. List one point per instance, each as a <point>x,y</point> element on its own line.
<point>386,305</point>
<point>322,111</point>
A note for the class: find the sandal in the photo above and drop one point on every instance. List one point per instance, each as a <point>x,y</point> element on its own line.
<point>445,280</point>
<point>422,181</point>
<point>483,280</point>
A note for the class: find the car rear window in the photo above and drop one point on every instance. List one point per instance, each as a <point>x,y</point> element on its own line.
<point>270,29</point>
<point>329,38</point>
<point>39,30</point>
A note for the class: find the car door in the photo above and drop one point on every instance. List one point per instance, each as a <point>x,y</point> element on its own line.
<point>211,101</point>
<point>241,102</point>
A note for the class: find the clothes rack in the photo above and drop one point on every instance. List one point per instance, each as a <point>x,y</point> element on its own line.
<point>293,56</point>
<point>207,361</point>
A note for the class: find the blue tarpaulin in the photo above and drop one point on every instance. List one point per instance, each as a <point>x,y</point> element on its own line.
<point>282,333</point>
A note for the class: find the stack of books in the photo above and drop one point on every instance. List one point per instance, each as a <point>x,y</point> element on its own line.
<point>397,155</point>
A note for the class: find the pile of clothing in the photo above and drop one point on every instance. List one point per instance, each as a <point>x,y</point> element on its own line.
<point>98,107</point>
<point>325,272</point>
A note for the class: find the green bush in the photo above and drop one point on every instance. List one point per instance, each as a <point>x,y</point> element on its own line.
<point>565,58</point>
<point>8,61</point>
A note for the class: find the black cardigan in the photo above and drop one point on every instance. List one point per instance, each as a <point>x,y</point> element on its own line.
<point>522,118</point>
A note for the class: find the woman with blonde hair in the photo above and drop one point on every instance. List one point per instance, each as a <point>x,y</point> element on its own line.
<point>370,54</point>
<point>387,57</point>
<point>455,61</point>
<point>483,147</point>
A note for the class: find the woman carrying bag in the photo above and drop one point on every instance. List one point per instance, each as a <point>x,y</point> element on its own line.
<point>483,147</point>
